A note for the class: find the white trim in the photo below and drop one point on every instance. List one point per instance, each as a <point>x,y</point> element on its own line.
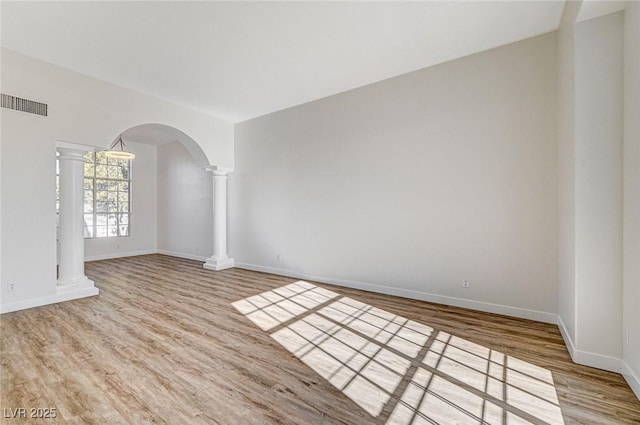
<point>49,299</point>
<point>218,264</point>
<point>600,361</point>
<point>523,313</point>
<point>68,293</point>
<point>73,284</point>
<point>219,170</point>
<point>75,146</point>
<point>571,348</point>
<point>588,358</point>
<point>181,255</point>
<point>112,255</point>
<point>631,378</point>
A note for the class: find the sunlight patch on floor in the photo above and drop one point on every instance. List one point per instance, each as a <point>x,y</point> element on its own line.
<point>399,369</point>
<point>272,308</point>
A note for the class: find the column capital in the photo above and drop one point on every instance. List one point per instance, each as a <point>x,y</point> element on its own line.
<point>68,146</point>
<point>71,154</point>
<point>218,171</point>
<point>73,151</point>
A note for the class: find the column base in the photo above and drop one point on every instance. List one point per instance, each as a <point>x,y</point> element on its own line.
<point>74,288</point>
<point>218,263</point>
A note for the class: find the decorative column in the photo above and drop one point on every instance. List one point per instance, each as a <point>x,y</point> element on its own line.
<point>220,260</point>
<point>71,278</point>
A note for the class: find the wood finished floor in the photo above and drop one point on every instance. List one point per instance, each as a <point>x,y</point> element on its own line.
<point>162,344</point>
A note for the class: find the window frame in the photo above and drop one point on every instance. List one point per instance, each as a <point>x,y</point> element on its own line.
<point>91,228</point>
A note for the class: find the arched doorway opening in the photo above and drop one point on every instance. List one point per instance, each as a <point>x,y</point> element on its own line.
<point>161,134</point>
<point>192,210</point>
<point>113,198</point>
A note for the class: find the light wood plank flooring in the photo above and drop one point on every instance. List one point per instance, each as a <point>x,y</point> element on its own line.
<point>163,344</point>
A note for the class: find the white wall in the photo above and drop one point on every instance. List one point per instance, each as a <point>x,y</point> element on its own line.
<point>28,167</point>
<point>598,185</point>
<point>144,203</point>
<point>413,184</point>
<point>81,110</point>
<point>184,204</point>
<point>590,185</point>
<point>566,172</point>
<point>631,294</point>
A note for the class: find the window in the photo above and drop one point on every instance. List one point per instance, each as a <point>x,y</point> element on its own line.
<point>107,200</point>
<point>107,195</point>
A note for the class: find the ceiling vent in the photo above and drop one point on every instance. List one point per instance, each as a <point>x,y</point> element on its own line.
<point>24,105</point>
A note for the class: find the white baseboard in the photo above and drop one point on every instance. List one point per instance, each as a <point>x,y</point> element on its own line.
<point>49,299</point>
<point>181,255</point>
<point>587,358</point>
<point>112,255</point>
<point>87,292</point>
<point>571,348</point>
<point>599,361</point>
<point>582,357</point>
<point>523,313</point>
<point>631,378</point>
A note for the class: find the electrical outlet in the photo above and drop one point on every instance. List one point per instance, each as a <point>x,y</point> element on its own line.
<point>465,284</point>
<point>11,287</point>
<point>278,258</point>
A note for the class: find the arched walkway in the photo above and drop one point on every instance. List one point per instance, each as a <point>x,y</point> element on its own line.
<point>159,134</point>
<point>72,283</point>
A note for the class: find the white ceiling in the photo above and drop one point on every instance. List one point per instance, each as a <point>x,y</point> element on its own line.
<point>239,60</point>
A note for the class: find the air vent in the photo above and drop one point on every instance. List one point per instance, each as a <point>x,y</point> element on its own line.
<point>24,105</point>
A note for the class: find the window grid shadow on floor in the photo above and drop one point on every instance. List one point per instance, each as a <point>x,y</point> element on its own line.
<point>399,371</point>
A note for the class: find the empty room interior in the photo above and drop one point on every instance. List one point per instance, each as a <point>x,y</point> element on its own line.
<point>320,212</point>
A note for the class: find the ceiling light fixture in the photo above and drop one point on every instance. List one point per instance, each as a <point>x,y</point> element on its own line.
<point>118,150</point>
